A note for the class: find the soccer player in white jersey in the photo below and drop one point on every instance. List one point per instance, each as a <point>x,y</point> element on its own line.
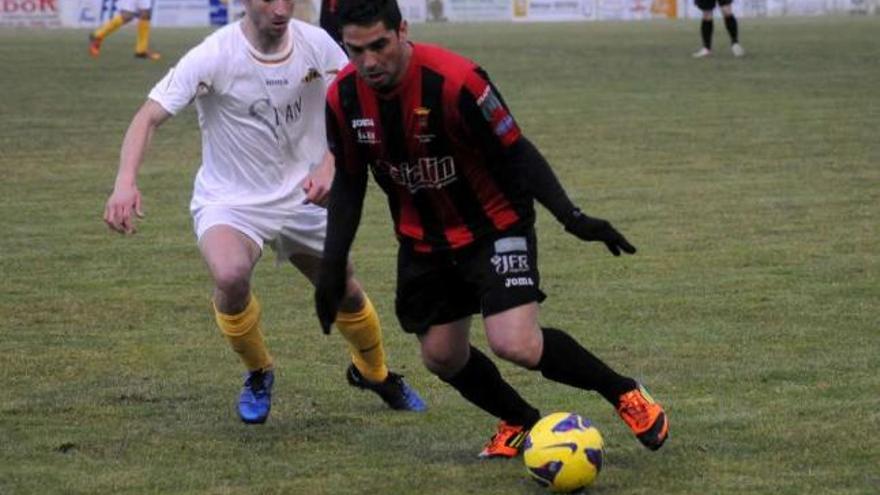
<point>259,86</point>
<point>126,10</point>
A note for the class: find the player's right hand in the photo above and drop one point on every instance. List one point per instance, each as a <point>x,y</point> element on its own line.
<point>121,209</point>
<point>328,295</point>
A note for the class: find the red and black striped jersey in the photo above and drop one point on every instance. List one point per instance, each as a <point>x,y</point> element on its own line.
<point>435,145</point>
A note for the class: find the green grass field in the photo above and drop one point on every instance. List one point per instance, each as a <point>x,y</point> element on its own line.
<point>752,310</point>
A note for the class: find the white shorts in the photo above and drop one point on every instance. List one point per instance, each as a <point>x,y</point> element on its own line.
<point>300,231</point>
<point>134,5</point>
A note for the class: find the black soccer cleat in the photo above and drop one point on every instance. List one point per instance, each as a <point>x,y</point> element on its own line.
<point>394,390</point>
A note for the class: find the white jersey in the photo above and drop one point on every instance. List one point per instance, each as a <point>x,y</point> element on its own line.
<point>261,116</point>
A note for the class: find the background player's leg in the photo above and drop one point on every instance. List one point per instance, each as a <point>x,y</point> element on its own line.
<point>732,30</point>
<point>707,26</point>
<point>142,44</point>
<point>358,322</point>
<point>97,36</point>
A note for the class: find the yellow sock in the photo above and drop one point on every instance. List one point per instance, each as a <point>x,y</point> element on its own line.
<point>108,27</point>
<point>143,36</point>
<point>244,335</point>
<point>364,336</point>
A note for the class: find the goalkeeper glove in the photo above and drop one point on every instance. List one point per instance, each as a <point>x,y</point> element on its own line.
<point>596,229</point>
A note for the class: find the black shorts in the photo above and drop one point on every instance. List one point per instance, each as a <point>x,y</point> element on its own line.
<point>492,276</point>
<point>710,4</point>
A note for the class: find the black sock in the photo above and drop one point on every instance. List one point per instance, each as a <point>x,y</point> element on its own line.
<point>481,383</point>
<point>706,31</point>
<point>732,29</point>
<point>566,361</point>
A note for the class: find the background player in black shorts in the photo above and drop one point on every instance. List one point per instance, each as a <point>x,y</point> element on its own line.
<point>461,182</point>
<point>707,26</point>
<point>329,19</point>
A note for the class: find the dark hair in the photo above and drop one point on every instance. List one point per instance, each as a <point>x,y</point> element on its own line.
<point>369,12</point>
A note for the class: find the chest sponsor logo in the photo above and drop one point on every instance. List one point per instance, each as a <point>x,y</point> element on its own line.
<point>277,82</point>
<point>365,131</point>
<point>426,173</point>
<point>273,117</point>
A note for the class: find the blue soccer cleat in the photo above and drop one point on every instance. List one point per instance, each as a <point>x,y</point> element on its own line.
<point>394,391</point>
<point>256,396</point>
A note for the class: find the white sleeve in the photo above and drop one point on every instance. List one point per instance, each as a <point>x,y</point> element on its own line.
<point>192,76</point>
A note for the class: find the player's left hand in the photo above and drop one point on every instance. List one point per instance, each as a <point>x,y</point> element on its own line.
<point>597,229</point>
<point>328,295</point>
<point>316,192</point>
<point>317,184</point>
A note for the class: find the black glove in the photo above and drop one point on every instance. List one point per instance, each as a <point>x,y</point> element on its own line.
<point>596,229</point>
<point>328,294</point>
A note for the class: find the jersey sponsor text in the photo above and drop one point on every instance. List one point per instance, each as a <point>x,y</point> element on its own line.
<point>426,173</point>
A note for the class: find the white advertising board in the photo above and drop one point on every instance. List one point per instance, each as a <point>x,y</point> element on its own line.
<point>413,10</point>
<point>477,10</point>
<point>29,13</point>
<point>549,10</point>
<point>91,13</point>
<point>181,12</point>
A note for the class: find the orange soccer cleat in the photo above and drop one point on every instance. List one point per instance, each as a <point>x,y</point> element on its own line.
<point>644,417</point>
<point>148,55</point>
<point>94,45</point>
<point>505,442</point>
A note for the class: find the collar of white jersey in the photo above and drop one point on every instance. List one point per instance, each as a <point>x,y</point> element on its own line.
<point>274,58</point>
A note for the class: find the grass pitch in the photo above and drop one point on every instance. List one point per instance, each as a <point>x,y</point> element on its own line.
<point>751,188</point>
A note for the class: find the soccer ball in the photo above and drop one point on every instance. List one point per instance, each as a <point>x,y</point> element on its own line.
<point>564,452</point>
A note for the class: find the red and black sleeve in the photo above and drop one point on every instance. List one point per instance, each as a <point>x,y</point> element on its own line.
<point>491,124</point>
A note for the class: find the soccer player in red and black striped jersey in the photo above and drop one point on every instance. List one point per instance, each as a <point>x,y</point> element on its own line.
<point>461,180</point>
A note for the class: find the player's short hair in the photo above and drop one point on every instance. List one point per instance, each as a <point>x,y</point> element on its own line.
<point>369,12</point>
